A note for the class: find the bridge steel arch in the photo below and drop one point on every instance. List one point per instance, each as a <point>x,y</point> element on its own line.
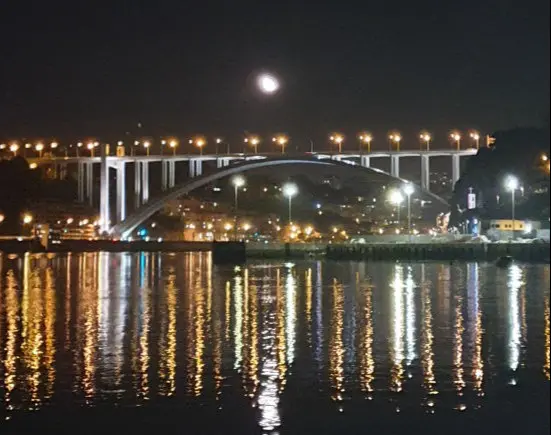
<point>125,227</point>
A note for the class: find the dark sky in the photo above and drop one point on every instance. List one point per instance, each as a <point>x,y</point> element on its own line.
<point>73,69</point>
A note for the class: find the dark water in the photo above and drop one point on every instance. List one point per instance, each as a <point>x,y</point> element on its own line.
<point>138,343</point>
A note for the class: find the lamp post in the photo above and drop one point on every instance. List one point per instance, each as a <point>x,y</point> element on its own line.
<point>395,138</point>
<point>425,137</point>
<point>237,181</point>
<point>476,137</point>
<point>147,146</point>
<point>456,137</point>
<point>408,190</point>
<point>253,141</point>
<point>337,139</point>
<point>366,139</point>
<point>40,147</point>
<point>173,143</point>
<point>397,198</point>
<point>512,184</point>
<point>281,140</point>
<point>290,190</point>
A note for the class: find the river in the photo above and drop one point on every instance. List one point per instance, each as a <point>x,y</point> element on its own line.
<point>105,343</point>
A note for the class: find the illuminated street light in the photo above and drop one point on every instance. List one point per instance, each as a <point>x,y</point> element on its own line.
<point>90,147</point>
<point>396,139</point>
<point>54,145</point>
<point>396,198</point>
<point>220,141</point>
<point>512,184</point>
<point>39,148</point>
<point>147,146</point>
<point>281,140</point>
<point>14,148</point>
<point>409,190</point>
<point>79,145</point>
<point>199,142</point>
<point>27,218</point>
<point>426,138</point>
<point>456,137</point>
<point>253,141</point>
<point>337,139</point>
<point>290,190</point>
<point>474,135</point>
<point>173,143</point>
<point>365,138</point>
<point>2,217</point>
<point>267,83</point>
<point>237,181</point>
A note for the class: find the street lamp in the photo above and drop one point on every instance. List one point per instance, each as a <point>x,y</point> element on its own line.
<point>365,138</point>
<point>395,138</point>
<point>147,146</point>
<point>14,148</point>
<point>90,147</point>
<point>511,183</point>
<point>237,181</point>
<point>337,139</point>
<point>254,141</point>
<point>456,137</point>
<point>173,143</point>
<point>425,137</point>
<point>290,190</point>
<point>281,140</point>
<point>476,137</point>
<point>39,148</point>
<point>397,198</point>
<point>408,190</point>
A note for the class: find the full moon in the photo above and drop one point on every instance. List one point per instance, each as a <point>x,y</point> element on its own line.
<point>268,83</point>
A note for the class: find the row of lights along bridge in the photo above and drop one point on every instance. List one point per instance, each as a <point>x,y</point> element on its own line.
<point>336,140</point>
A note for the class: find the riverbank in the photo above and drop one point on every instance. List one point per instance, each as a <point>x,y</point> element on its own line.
<point>237,252</point>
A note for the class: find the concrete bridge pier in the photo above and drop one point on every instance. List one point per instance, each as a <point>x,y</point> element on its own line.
<point>365,161</point>
<point>164,175</point>
<point>80,181</point>
<point>104,192</point>
<point>425,172</point>
<point>171,174</point>
<point>121,191</point>
<point>90,183</point>
<point>395,166</point>
<point>456,168</point>
<point>137,184</point>
<point>145,182</point>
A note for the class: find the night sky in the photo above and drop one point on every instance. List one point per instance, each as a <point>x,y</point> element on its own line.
<point>80,69</point>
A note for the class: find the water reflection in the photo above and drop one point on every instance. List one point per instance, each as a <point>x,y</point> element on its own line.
<point>127,329</point>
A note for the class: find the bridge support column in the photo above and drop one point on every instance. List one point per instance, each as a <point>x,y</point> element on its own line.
<point>171,173</point>
<point>137,184</point>
<point>145,182</point>
<point>63,171</point>
<point>425,172</point>
<point>104,191</point>
<point>456,168</point>
<point>164,175</point>
<point>191,168</point>
<point>395,166</point>
<point>80,181</point>
<point>365,161</point>
<point>220,163</point>
<point>90,183</point>
<point>121,191</point>
<point>198,168</point>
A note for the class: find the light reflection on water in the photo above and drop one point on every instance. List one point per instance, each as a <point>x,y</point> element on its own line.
<point>131,328</point>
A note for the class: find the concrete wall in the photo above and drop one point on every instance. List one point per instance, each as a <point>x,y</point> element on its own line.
<point>404,238</point>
